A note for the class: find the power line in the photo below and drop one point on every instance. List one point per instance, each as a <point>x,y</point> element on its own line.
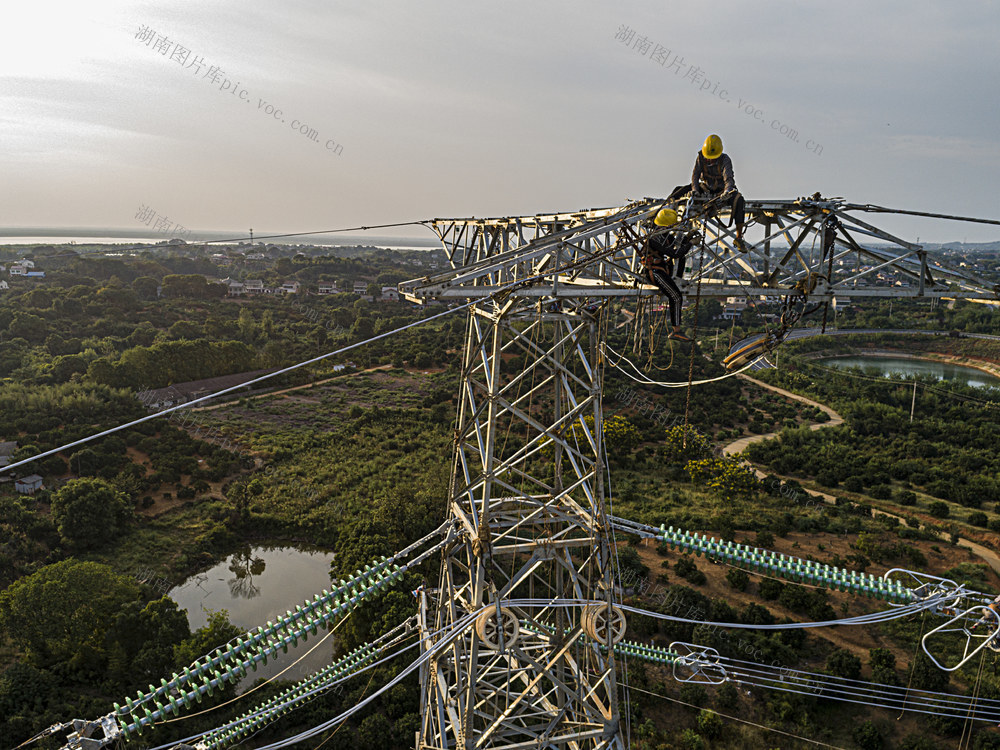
<point>224,391</point>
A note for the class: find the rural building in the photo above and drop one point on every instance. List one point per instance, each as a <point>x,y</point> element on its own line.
<point>253,286</point>
<point>360,287</point>
<point>390,294</point>
<point>328,288</point>
<point>28,485</point>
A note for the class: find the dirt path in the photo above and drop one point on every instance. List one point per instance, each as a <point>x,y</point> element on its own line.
<point>738,446</point>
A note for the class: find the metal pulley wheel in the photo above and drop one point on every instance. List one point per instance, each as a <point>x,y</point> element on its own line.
<point>490,632</point>
<point>601,622</point>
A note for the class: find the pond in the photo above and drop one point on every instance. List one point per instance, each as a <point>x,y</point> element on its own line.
<point>909,367</point>
<point>256,585</point>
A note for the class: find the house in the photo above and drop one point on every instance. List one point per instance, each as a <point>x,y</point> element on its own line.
<point>253,286</point>
<point>360,287</point>
<point>26,263</point>
<point>328,288</point>
<point>4,285</point>
<point>390,294</point>
<point>18,269</point>
<point>235,287</point>
<point>28,485</point>
<point>289,287</point>
<point>7,452</point>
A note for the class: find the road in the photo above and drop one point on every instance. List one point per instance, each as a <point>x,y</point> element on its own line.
<point>738,446</point>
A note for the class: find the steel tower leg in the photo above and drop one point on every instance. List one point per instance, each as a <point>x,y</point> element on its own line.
<point>527,495</point>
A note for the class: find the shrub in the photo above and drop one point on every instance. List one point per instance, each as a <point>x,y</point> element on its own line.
<point>764,539</point>
<point>938,509</point>
<point>854,484</point>
<point>978,519</point>
<point>881,492</point>
<point>842,663</point>
<point>867,736</point>
<point>692,740</point>
<point>693,694</point>
<point>770,588</point>
<point>727,696</point>
<point>687,570</point>
<point>737,578</point>
<point>906,497</point>
<point>709,724</point>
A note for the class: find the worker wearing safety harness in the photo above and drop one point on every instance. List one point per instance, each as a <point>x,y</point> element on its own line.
<point>659,252</point>
<point>712,181</point>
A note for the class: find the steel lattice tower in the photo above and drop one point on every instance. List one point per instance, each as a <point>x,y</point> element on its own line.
<point>523,619</point>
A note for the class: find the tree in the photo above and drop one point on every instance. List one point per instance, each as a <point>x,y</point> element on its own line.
<point>842,663</point>
<point>737,578</point>
<point>60,613</point>
<point>938,509</point>
<point>867,736</point>
<point>883,664</point>
<point>142,638</point>
<point>89,512</point>
<point>145,287</point>
<point>217,632</point>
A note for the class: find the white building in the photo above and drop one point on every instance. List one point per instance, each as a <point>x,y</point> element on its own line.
<point>360,287</point>
<point>390,294</point>
<point>28,485</point>
<point>18,269</point>
<point>289,287</point>
<point>328,288</point>
<point>253,286</point>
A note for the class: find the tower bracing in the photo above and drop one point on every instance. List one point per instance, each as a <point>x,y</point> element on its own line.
<point>532,556</point>
<point>524,619</point>
<point>821,246</point>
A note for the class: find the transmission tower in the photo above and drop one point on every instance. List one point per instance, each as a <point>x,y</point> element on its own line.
<point>530,573</point>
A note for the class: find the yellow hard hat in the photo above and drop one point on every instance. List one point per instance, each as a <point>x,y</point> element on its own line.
<point>712,148</point>
<point>667,217</point>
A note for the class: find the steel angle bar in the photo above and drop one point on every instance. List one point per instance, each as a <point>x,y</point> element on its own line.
<point>874,231</point>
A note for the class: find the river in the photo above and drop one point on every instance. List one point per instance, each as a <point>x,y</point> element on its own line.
<point>256,585</point>
<point>911,366</point>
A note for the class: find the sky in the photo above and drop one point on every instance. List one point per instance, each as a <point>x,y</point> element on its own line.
<point>190,112</point>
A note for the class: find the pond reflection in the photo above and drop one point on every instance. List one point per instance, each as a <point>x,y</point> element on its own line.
<point>255,585</point>
<point>244,565</point>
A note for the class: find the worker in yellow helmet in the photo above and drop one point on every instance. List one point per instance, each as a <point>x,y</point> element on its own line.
<point>712,179</point>
<point>662,247</point>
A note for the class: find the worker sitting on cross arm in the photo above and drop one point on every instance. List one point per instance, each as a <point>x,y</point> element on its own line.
<point>659,252</point>
<point>712,180</point>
